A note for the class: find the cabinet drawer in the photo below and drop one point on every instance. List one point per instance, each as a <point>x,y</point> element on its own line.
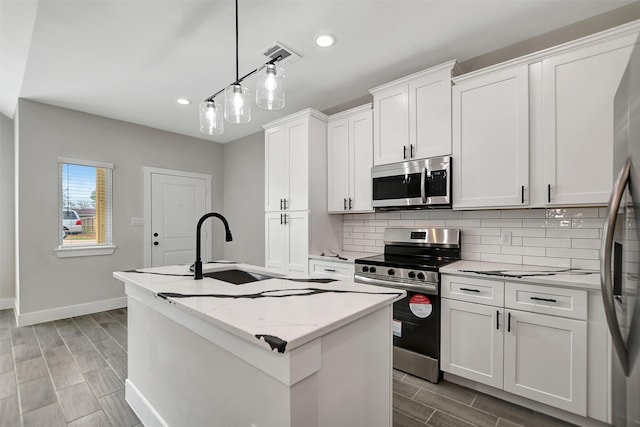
<point>546,300</point>
<point>335,270</point>
<point>481,291</point>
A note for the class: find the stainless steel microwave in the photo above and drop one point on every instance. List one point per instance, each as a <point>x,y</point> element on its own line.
<point>417,184</point>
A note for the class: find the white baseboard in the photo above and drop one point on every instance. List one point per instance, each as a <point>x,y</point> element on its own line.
<point>6,303</point>
<point>25,319</point>
<point>143,409</point>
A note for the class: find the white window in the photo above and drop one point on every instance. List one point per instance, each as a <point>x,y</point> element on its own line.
<point>85,208</point>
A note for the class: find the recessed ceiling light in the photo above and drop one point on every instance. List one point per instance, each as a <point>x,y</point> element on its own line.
<point>183,101</point>
<point>325,40</point>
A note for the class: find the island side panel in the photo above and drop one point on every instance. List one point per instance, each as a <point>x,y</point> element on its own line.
<point>187,380</point>
<point>355,381</point>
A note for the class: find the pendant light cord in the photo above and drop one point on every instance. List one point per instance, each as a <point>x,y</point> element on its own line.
<point>237,74</point>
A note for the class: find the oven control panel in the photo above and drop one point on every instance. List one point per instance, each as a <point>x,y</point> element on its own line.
<point>397,274</point>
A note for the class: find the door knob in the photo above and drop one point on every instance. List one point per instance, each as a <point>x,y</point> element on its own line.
<point>155,243</point>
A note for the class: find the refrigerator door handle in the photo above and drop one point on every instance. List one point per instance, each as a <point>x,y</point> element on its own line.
<point>606,272</point>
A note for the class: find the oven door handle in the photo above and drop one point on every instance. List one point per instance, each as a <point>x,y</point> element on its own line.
<point>423,185</point>
<point>425,289</point>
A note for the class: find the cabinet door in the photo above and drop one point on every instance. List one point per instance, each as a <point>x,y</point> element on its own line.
<point>298,165</point>
<point>430,115</point>
<point>276,168</point>
<point>391,125</point>
<point>338,173</point>
<point>491,140</point>
<point>276,253</point>
<point>577,110</point>
<point>472,341</point>
<point>545,359</point>
<point>297,225</point>
<point>361,161</point>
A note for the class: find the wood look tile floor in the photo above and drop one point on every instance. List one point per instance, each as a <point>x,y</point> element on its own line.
<point>71,372</point>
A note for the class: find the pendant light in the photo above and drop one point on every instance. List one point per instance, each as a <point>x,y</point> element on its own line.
<point>270,87</point>
<point>237,98</point>
<point>211,122</point>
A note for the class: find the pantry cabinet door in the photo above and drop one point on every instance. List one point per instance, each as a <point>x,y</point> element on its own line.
<point>361,161</point>
<point>276,252</point>
<point>491,140</point>
<point>472,341</point>
<point>545,359</point>
<point>578,88</point>
<point>276,168</point>
<point>339,172</point>
<point>297,236</point>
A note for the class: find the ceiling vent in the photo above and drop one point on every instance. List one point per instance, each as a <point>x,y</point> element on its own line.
<point>278,49</point>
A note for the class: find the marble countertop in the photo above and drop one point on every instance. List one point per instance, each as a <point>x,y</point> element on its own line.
<point>565,277</point>
<point>350,256</point>
<point>277,314</point>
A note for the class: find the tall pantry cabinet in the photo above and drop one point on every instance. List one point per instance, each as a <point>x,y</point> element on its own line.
<point>296,218</point>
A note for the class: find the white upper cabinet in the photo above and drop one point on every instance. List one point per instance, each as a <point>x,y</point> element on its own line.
<point>578,88</point>
<point>287,166</point>
<point>350,157</point>
<point>491,140</point>
<point>412,116</point>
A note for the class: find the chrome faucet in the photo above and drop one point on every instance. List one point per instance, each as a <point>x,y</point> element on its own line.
<point>197,266</point>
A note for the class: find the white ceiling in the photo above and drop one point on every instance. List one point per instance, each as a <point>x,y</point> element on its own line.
<point>131,59</point>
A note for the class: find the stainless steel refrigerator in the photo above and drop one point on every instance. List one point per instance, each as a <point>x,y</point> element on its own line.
<point>620,254</point>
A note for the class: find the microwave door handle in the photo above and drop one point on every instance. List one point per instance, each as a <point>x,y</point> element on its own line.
<point>606,270</point>
<point>423,185</point>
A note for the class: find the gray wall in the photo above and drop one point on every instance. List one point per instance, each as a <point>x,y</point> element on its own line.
<point>244,198</point>
<point>46,133</point>
<point>7,208</point>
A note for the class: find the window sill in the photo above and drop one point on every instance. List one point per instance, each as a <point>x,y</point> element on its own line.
<point>84,251</point>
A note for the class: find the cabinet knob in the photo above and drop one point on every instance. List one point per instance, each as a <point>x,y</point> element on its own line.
<point>155,243</point>
<point>155,234</point>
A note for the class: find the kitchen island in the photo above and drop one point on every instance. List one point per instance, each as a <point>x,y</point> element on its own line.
<point>270,352</point>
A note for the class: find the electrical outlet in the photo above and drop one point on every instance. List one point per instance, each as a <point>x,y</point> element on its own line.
<point>506,238</point>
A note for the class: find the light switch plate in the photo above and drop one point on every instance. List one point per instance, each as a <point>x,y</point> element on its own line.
<point>137,221</point>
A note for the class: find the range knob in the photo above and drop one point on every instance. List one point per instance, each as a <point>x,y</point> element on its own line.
<point>411,274</point>
<point>421,276</point>
<point>391,272</point>
<point>365,269</point>
<point>372,269</point>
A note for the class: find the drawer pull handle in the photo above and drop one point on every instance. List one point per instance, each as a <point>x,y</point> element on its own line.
<point>470,290</point>
<point>498,319</point>
<point>330,270</point>
<point>543,299</point>
<point>509,323</point>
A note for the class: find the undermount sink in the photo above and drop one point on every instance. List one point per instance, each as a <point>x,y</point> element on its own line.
<point>238,277</point>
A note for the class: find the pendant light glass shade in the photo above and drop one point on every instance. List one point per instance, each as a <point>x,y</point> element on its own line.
<point>211,122</point>
<point>237,104</point>
<point>270,87</point>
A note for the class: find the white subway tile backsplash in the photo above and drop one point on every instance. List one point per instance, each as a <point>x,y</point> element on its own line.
<point>546,242</point>
<point>463,222</point>
<point>522,213</point>
<point>587,264</point>
<point>563,237</point>
<point>502,222</point>
<point>547,262</point>
<point>511,259</point>
<point>574,233</point>
<point>587,223</point>
<point>586,243</point>
<point>523,250</point>
<point>481,214</point>
<point>573,253</point>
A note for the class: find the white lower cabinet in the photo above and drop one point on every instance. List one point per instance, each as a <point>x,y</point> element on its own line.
<point>545,359</point>
<point>472,341</point>
<point>538,356</point>
<point>287,241</point>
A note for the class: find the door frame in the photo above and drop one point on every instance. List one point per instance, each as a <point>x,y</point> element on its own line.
<point>147,171</point>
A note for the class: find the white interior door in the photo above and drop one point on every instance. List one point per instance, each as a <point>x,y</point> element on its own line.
<point>177,202</point>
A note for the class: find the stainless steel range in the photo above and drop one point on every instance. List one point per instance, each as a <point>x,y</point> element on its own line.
<point>411,261</point>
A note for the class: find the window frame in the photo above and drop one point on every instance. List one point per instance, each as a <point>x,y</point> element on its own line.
<point>88,250</point>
